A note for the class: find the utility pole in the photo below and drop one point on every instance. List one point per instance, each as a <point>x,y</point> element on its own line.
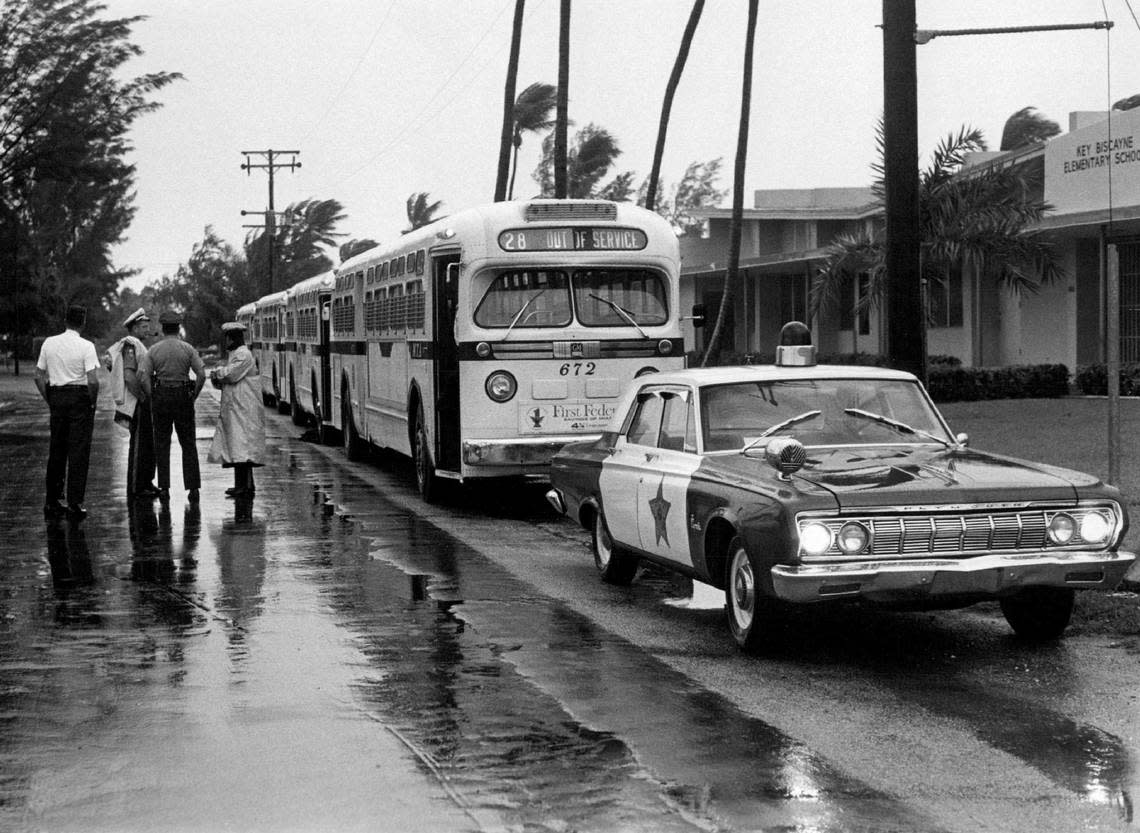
<point>270,214</point>
<point>906,317</point>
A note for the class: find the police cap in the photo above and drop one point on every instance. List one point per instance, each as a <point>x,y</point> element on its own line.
<point>136,316</point>
<point>230,326</point>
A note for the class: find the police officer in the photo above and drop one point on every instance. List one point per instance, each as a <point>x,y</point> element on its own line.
<point>140,456</point>
<point>66,377</point>
<point>165,375</point>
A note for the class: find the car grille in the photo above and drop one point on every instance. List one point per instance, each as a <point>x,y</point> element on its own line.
<point>955,533</point>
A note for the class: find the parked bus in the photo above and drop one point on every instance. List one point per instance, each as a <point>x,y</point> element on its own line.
<point>269,338</point>
<point>308,374</point>
<point>480,344</point>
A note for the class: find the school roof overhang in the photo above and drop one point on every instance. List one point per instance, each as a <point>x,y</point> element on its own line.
<point>861,212</point>
<point>777,263</point>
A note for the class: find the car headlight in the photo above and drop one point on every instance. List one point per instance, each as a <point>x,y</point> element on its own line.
<point>1062,528</point>
<point>853,538</point>
<point>501,386</point>
<point>815,538</point>
<point>1095,528</point>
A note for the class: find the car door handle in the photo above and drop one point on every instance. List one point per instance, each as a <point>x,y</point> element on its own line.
<point>649,458</point>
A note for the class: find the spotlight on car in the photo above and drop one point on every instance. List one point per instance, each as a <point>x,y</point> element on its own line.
<point>786,455</point>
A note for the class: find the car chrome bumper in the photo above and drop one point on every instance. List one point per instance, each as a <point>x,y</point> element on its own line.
<point>983,575</point>
<point>536,451</point>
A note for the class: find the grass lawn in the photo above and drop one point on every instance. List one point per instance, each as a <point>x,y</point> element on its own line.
<point>1070,432</point>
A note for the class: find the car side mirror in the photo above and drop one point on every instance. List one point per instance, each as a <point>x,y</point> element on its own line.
<point>698,316</point>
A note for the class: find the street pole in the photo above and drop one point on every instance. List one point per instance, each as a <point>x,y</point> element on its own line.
<point>1112,359</point>
<point>905,316</point>
<point>270,166</point>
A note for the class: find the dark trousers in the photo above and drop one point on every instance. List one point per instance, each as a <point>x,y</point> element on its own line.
<point>173,407</point>
<point>140,457</point>
<point>69,451</point>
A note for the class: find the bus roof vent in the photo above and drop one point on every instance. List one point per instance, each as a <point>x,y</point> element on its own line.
<point>570,210</point>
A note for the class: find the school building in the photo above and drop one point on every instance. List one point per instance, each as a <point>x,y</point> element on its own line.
<point>1089,175</point>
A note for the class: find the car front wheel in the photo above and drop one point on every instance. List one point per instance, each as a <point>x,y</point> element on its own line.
<point>615,564</point>
<point>1039,614</point>
<point>747,608</point>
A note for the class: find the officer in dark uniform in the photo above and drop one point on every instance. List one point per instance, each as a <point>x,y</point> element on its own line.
<point>165,375</point>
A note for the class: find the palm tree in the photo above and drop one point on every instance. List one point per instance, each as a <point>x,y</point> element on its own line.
<point>562,107</point>
<point>973,221</point>
<point>531,115</point>
<point>591,156</point>
<point>736,226</point>
<point>667,104</point>
<point>509,104</point>
<point>420,211</point>
<point>1027,127</point>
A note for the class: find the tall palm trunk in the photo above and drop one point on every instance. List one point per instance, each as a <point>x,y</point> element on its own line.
<point>506,138</point>
<point>561,111</point>
<point>737,224</point>
<point>514,170</point>
<point>667,104</point>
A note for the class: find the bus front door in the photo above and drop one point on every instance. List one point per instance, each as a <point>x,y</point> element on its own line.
<point>325,382</point>
<point>446,277</point>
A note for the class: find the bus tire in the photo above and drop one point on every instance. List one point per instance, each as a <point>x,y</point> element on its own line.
<point>319,417</point>
<point>353,447</point>
<point>426,480</point>
<point>296,412</point>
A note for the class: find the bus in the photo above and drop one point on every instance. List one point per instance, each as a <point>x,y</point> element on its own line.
<point>482,343</point>
<point>308,373</point>
<point>269,338</point>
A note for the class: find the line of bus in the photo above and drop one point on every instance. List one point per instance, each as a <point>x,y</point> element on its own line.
<point>482,343</point>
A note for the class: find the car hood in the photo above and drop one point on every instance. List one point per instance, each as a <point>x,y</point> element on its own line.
<point>921,475</point>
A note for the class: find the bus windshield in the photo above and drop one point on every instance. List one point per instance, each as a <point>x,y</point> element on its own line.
<point>602,298</point>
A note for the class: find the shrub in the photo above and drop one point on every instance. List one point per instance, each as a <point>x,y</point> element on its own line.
<point>949,383</point>
<point>1092,379</point>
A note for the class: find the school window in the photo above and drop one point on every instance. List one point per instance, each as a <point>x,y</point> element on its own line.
<point>944,300</point>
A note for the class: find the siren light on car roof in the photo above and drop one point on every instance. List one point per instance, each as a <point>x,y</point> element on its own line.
<point>795,348</point>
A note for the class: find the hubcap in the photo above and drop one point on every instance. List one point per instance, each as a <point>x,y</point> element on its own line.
<point>743,591</point>
<point>604,543</point>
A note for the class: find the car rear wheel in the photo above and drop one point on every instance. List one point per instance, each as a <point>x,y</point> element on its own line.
<point>1039,614</point>
<point>748,610</point>
<point>615,564</point>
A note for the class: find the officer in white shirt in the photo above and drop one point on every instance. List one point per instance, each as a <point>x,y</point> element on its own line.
<point>67,379</point>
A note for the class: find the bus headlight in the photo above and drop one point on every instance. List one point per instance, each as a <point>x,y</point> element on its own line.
<point>482,349</point>
<point>665,347</point>
<point>501,386</point>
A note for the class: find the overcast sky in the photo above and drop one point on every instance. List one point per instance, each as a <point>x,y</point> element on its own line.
<point>384,98</point>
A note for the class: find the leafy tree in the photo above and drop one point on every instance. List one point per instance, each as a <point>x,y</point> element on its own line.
<point>297,247</point>
<point>1027,127</point>
<point>420,211</point>
<point>975,221</point>
<point>66,190</point>
<point>531,115</point>
<point>593,153</point>
<point>697,189</point>
<point>352,248</point>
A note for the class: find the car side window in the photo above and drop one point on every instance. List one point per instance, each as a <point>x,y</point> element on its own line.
<point>678,432</point>
<point>646,423</point>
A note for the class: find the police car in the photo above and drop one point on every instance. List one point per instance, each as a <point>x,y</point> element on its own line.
<point>809,483</point>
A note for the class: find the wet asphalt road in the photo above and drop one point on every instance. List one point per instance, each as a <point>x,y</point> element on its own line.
<point>335,655</point>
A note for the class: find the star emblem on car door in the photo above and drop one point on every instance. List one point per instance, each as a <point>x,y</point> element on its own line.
<point>659,507</point>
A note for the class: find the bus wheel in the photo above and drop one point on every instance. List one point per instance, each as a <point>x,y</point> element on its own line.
<point>295,409</point>
<point>319,418</point>
<point>353,447</point>
<point>425,470</point>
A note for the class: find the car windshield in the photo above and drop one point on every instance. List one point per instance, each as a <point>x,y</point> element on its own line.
<point>632,298</point>
<point>818,412</point>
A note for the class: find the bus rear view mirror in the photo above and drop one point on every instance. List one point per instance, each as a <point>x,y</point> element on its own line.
<point>698,317</point>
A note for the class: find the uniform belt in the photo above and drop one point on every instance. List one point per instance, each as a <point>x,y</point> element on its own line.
<point>71,385</point>
<point>166,383</point>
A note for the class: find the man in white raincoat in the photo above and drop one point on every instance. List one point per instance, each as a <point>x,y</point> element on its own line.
<point>239,438</point>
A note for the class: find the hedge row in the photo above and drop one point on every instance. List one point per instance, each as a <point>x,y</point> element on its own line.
<point>1092,379</point>
<point>950,383</point>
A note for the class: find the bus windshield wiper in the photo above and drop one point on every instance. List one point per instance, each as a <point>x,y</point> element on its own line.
<point>898,426</point>
<point>522,309</point>
<point>628,316</point>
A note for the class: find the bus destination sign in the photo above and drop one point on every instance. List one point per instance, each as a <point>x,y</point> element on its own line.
<point>572,239</point>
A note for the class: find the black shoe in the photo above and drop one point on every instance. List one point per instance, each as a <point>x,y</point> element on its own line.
<point>76,511</point>
<point>239,493</point>
<point>54,509</point>
<point>192,496</point>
